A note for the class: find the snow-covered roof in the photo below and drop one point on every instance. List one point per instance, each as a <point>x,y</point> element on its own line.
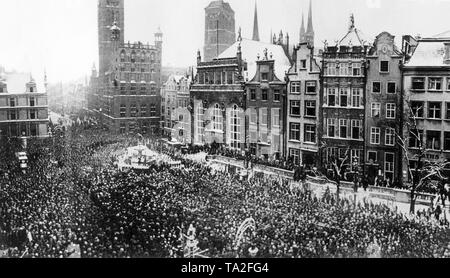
<point>177,78</point>
<point>250,50</point>
<point>428,54</point>
<point>442,35</point>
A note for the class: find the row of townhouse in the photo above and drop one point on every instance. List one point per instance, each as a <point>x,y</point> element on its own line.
<point>344,103</point>
<point>353,101</point>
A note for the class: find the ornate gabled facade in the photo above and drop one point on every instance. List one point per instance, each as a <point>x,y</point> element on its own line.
<point>383,104</point>
<point>302,107</point>
<point>343,100</point>
<point>217,102</point>
<point>126,93</point>
<point>266,98</point>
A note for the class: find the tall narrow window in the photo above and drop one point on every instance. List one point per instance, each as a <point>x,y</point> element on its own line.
<point>390,137</point>
<point>391,88</point>
<point>235,127</point>
<point>343,126</point>
<point>433,140</point>
<point>376,110</point>
<point>356,98</point>
<point>417,109</point>
<point>390,110</point>
<point>332,131</point>
<point>389,165</point>
<point>294,133</point>
<point>123,110</point>
<point>217,118</point>
<point>375,136</point>
<point>310,133</point>
<point>343,97</point>
<point>434,110</point>
<point>276,117</point>
<point>310,108</point>
<point>356,129</point>
<point>295,108</point>
<point>331,97</point>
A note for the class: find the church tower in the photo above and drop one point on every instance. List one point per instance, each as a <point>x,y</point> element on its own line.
<point>110,13</point>
<point>302,30</point>
<point>309,36</point>
<point>255,25</point>
<point>220,30</point>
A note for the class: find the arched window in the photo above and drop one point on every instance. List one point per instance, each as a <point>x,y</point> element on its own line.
<point>122,56</point>
<point>217,118</point>
<point>235,127</point>
<point>133,57</point>
<point>143,57</point>
<point>152,57</point>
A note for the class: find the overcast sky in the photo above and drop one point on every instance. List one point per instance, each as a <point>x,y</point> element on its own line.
<point>61,35</point>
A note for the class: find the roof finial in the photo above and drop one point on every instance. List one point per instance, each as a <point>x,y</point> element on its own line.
<point>239,39</point>
<point>352,22</point>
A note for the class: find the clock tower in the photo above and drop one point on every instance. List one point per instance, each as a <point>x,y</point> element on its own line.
<point>110,13</point>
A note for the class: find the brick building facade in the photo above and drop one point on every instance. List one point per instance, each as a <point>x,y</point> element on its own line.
<point>126,93</point>
<point>342,105</point>
<point>383,102</point>
<point>220,29</point>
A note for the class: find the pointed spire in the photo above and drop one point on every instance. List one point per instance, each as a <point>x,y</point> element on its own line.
<point>255,25</point>
<point>271,36</point>
<point>310,21</point>
<point>302,29</point>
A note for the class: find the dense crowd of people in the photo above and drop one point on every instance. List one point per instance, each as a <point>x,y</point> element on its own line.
<point>73,194</point>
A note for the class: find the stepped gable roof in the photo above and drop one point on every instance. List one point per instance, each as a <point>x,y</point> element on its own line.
<point>250,50</point>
